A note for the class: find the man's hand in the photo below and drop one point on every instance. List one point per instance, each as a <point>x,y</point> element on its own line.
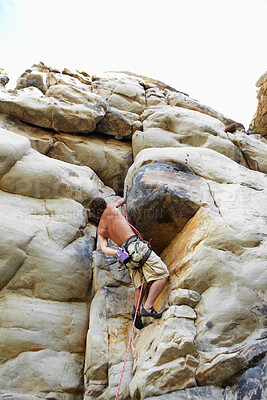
<point>119,202</point>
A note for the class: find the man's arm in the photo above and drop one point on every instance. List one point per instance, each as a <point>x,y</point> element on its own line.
<point>103,242</point>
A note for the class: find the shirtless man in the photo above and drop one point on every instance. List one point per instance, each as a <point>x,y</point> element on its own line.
<point>113,225</point>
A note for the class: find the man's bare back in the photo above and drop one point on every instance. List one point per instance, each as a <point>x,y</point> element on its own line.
<point>113,225</point>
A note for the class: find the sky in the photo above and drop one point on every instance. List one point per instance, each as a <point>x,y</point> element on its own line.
<point>213,50</point>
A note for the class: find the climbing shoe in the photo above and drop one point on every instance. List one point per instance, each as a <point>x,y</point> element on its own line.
<point>150,313</point>
<point>138,321</point>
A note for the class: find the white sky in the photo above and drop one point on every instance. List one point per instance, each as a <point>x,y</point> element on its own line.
<point>214,50</point>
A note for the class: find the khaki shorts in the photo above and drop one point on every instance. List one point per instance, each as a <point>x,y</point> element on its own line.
<point>153,269</point>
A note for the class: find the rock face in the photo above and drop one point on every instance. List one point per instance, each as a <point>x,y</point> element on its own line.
<point>259,121</point>
<point>195,184</point>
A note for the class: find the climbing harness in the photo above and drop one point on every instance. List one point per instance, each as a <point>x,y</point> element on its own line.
<point>130,338</point>
<point>137,238</point>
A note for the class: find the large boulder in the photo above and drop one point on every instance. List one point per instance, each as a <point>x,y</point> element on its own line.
<point>162,197</point>
<point>61,108</point>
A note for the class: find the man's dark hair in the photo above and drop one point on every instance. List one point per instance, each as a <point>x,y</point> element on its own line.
<point>97,206</point>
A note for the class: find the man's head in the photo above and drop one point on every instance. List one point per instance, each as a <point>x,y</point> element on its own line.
<point>97,206</point>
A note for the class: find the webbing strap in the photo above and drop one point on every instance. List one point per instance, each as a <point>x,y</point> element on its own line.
<point>144,259</point>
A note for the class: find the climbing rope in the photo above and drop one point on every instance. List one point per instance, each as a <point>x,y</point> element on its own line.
<point>127,217</point>
<point>139,298</point>
<point>130,338</point>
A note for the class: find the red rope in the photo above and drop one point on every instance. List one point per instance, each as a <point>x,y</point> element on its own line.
<point>130,339</point>
<point>127,219</point>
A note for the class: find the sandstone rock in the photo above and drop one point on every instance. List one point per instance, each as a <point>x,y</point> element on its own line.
<point>34,324</point>
<point>31,106</point>
<point>195,393</point>
<point>39,176</point>
<point>42,77</point>
<point>254,150</point>
<point>251,385</point>
<point>119,124</point>
<point>108,332</point>
<point>220,369</point>
<point>60,269</point>
<point>121,91</point>
<point>212,207</point>
<point>4,79</point>
<point>155,96</point>
<point>41,140</point>
<point>180,99</point>
<point>45,273</point>
<point>11,150</point>
<point>164,357</point>
<point>259,122</point>
<point>215,254</point>
<point>42,372</point>
<point>163,196</point>
<point>108,159</point>
<point>202,163</point>
<point>184,296</point>
<point>169,126</point>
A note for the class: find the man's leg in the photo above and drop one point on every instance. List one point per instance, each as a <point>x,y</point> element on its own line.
<point>136,294</point>
<point>154,291</point>
<point>138,322</point>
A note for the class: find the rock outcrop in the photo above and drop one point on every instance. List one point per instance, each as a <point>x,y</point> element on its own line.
<point>259,121</point>
<point>196,185</point>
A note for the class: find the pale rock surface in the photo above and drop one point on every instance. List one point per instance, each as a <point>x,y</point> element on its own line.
<point>164,354</point>
<point>38,176</point>
<point>4,79</point>
<point>184,296</point>
<point>155,96</point>
<point>36,324</point>
<point>42,77</point>
<point>222,257</point>
<point>171,126</point>
<point>180,99</point>
<point>109,159</point>
<point>62,108</point>
<point>109,329</point>
<point>217,260</point>
<point>41,140</point>
<point>121,91</point>
<point>259,122</point>
<point>250,386</point>
<point>11,150</point>
<point>46,256</point>
<point>253,148</point>
<point>120,124</point>
<point>42,372</point>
